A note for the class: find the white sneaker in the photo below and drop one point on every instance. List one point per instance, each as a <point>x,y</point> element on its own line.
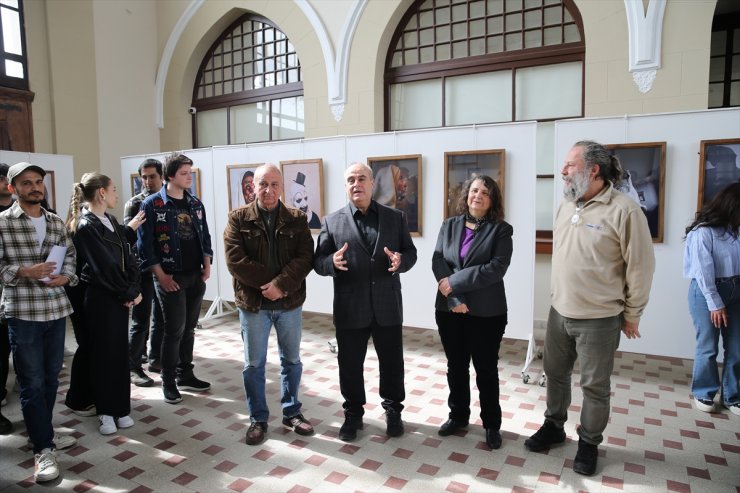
<point>734,409</point>
<point>107,425</point>
<point>60,441</point>
<point>124,422</point>
<point>704,405</point>
<point>45,466</point>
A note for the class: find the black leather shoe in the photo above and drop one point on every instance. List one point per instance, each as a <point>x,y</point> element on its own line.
<point>493,438</point>
<point>451,426</point>
<point>586,457</point>
<point>393,424</point>
<point>348,431</point>
<point>547,435</point>
<point>5,425</point>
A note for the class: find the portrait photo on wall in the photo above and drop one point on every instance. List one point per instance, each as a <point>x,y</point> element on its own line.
<point>463,165</point>
<point>135,184</point>
<point>719,165</point>
<point>643,179</point>
<point>241,186</point>
<point>398,185</point>
<point>303,188</point>
<point>50,192</point>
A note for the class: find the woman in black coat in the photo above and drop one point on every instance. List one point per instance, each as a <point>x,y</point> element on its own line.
<point>471,257</point>
<point>109,286</point>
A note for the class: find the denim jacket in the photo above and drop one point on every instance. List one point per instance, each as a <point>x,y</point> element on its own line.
<point>158,242</point>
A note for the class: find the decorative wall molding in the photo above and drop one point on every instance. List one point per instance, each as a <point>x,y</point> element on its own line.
<point>645,35</point>
<point>164,63</point>
<point>337,67</point>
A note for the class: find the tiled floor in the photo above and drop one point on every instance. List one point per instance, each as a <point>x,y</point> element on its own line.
<point>655,442</point>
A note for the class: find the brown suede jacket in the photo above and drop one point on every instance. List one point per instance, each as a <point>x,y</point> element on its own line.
<point>247,250</point>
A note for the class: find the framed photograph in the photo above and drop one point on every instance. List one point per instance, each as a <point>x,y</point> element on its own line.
<point>50,192</point>
<point>398,185</point>
<point>644,180</point>
<point>240,178</point>
<point>135,184</point>
<point>719,165</point>
<point>463,165</point>
<point>195,187</point>
<point>304,188</point>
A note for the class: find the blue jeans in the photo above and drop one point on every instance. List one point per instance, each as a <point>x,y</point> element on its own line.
<point>255,334</point>
<point>593,342</point>
<point>706,383</point>
<point>38,353</point>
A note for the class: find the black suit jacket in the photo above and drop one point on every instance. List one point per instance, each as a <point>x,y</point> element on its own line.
<point>366,289</point>
<point>479,280</point>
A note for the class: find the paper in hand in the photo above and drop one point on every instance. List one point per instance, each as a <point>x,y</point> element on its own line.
<point>57,255</point>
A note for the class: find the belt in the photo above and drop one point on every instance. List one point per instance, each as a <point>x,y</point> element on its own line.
<point>733,279</point>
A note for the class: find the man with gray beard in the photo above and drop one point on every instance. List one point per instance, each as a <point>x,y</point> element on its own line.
<point>602,269</point>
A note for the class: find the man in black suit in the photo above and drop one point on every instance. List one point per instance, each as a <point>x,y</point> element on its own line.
<point>364,246</point>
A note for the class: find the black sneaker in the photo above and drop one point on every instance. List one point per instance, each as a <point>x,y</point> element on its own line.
<point>194,384</point>
<point>348,431</point>
<point>493,438</point>
<point>171,394</point>
<point>155,367</point>
<point>393,424</point>
<point>586,457</point>
<point>547,435</point>
<point>5,425</point>
<point>140,379</point>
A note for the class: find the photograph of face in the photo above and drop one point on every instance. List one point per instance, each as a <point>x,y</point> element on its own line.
<point>397,185</point>
<point>720,167</point>
<point>302,188</point>
<point>242,190</point>
<point>642,179</point>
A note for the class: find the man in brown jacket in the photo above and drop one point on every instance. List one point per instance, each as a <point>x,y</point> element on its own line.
<point>269,251</point>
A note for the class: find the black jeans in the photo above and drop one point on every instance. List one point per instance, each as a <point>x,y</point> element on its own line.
<point>181,310</point>
<point>464,337</point>
<point>352,346</point>
<point>148,310</point>
<point>4,358</point>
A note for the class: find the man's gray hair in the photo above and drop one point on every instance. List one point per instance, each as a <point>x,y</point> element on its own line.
<point>594,153</point>
<point>362,165</point>
<point>262,169</point>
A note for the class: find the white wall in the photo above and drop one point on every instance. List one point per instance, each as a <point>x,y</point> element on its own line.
<point>62,166</point>
<point>666,326</point>
<point>419,286</point>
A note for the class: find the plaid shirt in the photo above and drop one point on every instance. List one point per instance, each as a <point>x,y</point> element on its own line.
<point>31,299</point>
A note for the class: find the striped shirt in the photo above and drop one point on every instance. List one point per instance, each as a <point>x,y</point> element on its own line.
<point>30,299</point>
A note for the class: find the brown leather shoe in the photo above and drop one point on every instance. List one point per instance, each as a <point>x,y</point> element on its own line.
<point>299,424</point>
<point>256,433</point>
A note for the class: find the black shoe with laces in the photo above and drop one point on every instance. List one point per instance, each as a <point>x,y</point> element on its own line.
<point>586,457</point>
<point>547,435</point>
<point>171,394</point>
<point>5,425</point>
<point>451,426</point>
<point>193,383</point>
<point>393,424</point>
<point>348,431</point>
<point>493,438</point>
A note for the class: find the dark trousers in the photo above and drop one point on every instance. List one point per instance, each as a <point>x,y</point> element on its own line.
<point>4,358</point>
<point>181,310</point>
<point>80,392</point>
<point>352,345</point>
<point>465,337</point>
<point>146,311</point>
<point>99,373</point>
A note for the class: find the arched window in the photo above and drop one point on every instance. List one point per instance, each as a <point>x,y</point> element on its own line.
<point>249,87</point>
<point>724,61</point>
<point>458,62</point>
<point>13,65</point>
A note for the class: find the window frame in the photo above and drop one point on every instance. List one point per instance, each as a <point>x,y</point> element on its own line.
<point>726,23</point>
<point>6,80</point>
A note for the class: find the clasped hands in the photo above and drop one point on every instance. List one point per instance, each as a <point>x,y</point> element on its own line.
<point>394,259</point>
<point>444,287</point>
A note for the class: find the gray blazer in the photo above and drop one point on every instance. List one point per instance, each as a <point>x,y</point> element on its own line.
<point>366,289</point>
<point>479,280</point>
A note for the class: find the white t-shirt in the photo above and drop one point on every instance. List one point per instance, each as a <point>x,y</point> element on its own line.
<point>40,224</point>
<point>106,222</point>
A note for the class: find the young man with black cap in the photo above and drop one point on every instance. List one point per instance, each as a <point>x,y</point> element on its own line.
<point>35,306</point>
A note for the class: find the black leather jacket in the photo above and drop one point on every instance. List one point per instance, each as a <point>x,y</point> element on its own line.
<point>104,257</point>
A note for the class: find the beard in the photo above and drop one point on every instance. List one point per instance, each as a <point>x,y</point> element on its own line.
<point>576,185</point>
